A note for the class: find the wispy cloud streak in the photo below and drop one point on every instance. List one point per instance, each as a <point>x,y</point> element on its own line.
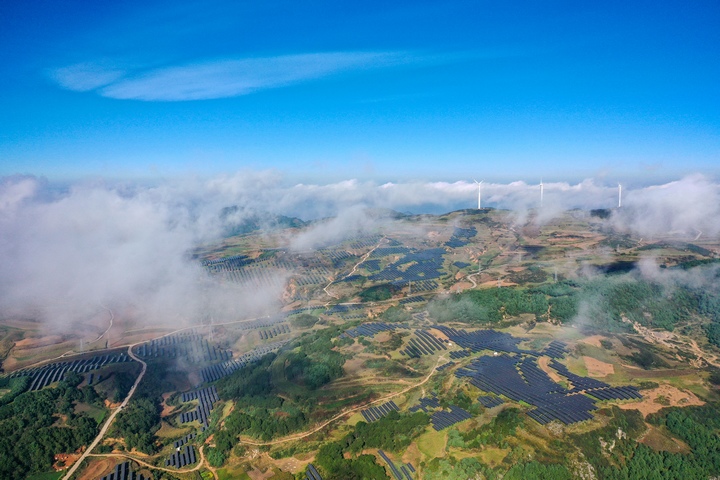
<point>218,79</point>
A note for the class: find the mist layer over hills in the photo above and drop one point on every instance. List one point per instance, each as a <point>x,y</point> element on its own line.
<point>64,253</point>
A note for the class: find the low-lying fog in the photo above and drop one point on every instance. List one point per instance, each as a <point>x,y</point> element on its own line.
<point>65,252</point>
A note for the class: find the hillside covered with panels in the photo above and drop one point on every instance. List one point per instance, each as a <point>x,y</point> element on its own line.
<point>427,347</point>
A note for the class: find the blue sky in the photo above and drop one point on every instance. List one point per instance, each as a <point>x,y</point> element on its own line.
<point>377,90</point>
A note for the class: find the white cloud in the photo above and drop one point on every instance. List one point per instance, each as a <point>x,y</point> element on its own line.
<point>64,254</point>
<point>220,78</point>
<point>83,77</point>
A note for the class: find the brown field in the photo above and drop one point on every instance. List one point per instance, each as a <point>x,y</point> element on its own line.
<point>460,286</point>
<point>659,441</point>
<point>596,368</point>
<point>594,340</point>
<point>543,364</point>
<point>98,467</point>
<point>675,397</point>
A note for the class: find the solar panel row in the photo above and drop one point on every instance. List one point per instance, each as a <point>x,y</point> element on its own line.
<point>372,328</point>
<point>122,472</point>
<point>556,349</point>
<point>396,473</point>
<point>206,399</point>
<point>373,414</point>
<point>489,401</point>
<point>425,403</point>
<point>311,473</point>
<point>190,345</point>
<point>425,343</point>
<point>444,419</point>
<point>184,440</point>
<point>444,366</point>
<point>182,457</point>
<point>217,371</point>
<point>54,372</point>
<point>274,332</point>
<point>456,354</point>
<point>414,299</point>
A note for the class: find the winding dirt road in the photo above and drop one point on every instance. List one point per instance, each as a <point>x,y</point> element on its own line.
<point>111,418</point>
<point>155,467</point>
<point>345,413</point>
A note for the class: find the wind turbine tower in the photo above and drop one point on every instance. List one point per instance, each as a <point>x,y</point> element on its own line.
<point>542,192</point>
<point>619,195</point>
<point>479,184</point>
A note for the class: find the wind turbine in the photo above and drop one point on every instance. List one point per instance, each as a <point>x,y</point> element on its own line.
<point>479,184</point>
<point>619,195</point>
<point>542,191</point>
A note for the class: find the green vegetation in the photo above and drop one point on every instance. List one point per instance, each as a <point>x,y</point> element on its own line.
<point>15,386</point>
<point>304,320</point>
<point>37,425</point>
<point>537,471</point>
<point>137,425</point>
<point>266,409</point>
<point>378,293</point>
<point>452,469</point>
<point>140,420</point>
<point>627,459</point>
<point>396,315</point>
<point>334,466</point>
<point>392,432</point>
<point>496,433</point>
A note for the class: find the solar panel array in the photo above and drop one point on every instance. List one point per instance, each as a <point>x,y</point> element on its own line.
<point>259,274</point>
<point>461,264</point>
<point>313,276</point>
<point>425,403</point>
<point>488,401</point>
<point>54,372</point>
<point>344,308</point>
<point>456,354</point>
<point>461,237</point>
<point>444,366</point>
<point>387,251</point>
<point>268,322</point>
<point>480,340</point>
<point>424,265</point>
<point>189,345</point>
<point>443,419</point>
<point>274,332</point>
<point>337,257</point>
<point>424,286</point>
<point>206,398</point>
<point>122,472</point>
<point>373,414</point>
<point>371,265</point>
<point>371,328</point>
<point>184,440</point>
<point>556,349</point>
<point>396,473</point>
<point>219,370</point>
<point>414,299</point>
<point>517,376</point>
<point>365,242</point>
<point>521,380</point>
<point>596,388</point>
<point>182,457</point>
<point>311,473</point>
<point>424,343</point>
<point>226,264</point>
